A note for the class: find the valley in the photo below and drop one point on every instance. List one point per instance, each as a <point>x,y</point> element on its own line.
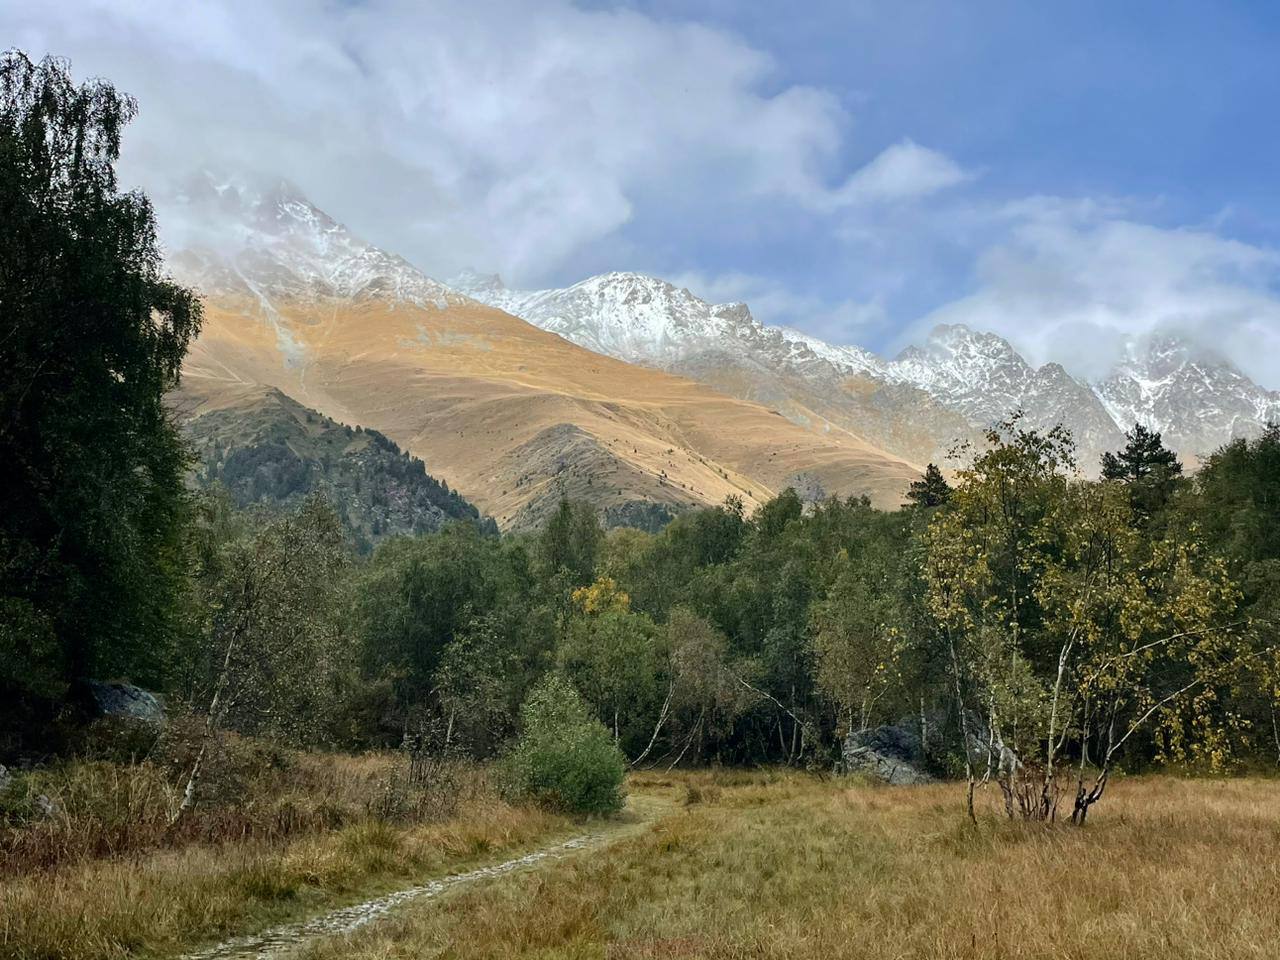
<point>352,613</point>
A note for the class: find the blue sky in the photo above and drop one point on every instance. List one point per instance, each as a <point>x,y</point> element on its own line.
<point>1169,107</point>
<point>1069,175</point>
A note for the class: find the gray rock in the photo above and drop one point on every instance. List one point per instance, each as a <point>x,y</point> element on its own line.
<point>890,753</point>
<point>6,778</point>
<point>47,807</point>
<point>990,751</point>
<point>127,701</point>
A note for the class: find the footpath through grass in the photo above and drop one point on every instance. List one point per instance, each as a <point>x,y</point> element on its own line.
<point>731,864</point>
<point>789,866</point>
<point>165,902</point>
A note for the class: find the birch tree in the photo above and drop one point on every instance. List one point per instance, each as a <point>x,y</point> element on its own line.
<point>1070,632</point>
<point>271,635</point>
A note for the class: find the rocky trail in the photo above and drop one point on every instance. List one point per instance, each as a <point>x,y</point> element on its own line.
<point>284,939</point>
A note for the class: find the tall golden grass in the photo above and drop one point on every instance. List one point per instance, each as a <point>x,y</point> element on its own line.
<point>102,809</point>
<point>787,866</point>
<point>731,864</point>
<point>162,901</point>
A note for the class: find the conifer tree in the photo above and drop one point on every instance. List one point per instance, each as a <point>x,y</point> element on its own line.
<point>1149,468</point>
<point>931,490</point>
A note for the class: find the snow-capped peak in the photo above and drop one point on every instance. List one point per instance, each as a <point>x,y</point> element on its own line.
<point>236,233</point>
<point>1193,396</point>
<point>644,319</point>
<point>266,239</point>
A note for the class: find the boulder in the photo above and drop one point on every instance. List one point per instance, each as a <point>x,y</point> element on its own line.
<point>124,700</point>
<point>891,753</point>
<point>989,750</point>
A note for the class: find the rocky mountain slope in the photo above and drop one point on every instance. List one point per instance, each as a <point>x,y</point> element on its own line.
<point>508,414</point>
<point>917,405</point>
<point>269,450</point>
<point>1197,399</point>
<point>982,377</point>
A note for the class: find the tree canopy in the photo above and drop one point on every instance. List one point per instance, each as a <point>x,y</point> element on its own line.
<point>91,493</point>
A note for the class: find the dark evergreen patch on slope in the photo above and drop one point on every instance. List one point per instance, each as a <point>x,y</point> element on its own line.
<point>276,451</point>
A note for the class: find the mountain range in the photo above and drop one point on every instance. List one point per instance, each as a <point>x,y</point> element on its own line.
<point>509,415</point>
<point>915,405</point>
<point>623,389</point>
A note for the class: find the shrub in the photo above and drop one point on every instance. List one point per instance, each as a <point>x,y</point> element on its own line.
<point>564,758</point>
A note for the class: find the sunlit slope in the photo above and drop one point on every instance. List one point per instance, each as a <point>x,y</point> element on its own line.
<point>512,415</point>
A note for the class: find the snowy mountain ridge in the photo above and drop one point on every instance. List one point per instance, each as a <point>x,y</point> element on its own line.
<point>644,319</point>
<point>1166,383</point>
<point>953,384</point>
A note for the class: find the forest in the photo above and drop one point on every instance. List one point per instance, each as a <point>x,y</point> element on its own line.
<point>1077,624</point>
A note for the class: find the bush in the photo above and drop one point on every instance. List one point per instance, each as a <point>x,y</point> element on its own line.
<point>564,758</point>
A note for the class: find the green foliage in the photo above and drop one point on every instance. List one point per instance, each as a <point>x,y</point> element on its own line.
<point>857,644</point>
<point>610,654</point>
<point>570,544</point>
<point>1237,506</point>
<point>480,681</point>
<point>91,496</point>
<point>270,648</point>
<point>1065,623</point>
<point>1150,470</point>
<point>274,452</point>
<point>564,757</point>
<point>418,596</point>
<point>931,490</point>
<point>708,692</point>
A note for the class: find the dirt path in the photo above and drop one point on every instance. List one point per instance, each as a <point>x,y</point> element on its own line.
<point>283,939</point>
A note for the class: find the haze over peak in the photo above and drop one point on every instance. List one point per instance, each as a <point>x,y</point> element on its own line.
<point>801,171</point>
<point>263,236</point>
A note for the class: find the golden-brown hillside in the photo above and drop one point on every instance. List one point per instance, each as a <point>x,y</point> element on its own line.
<point>511,415</point>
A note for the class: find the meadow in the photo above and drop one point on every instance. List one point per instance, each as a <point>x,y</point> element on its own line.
<point>716,864</point>
<point>791,866</point>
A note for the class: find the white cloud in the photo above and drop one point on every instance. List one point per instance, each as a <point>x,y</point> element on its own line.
<point>499,133</point>
<point>1071,280</point>
<point>903,171</point>
<point>523,137</point>
<point>843,322</point>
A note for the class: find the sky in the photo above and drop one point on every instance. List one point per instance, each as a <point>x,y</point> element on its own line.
<point>1067,175</point>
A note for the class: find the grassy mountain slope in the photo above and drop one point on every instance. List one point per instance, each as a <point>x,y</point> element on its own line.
<point>514,416</point>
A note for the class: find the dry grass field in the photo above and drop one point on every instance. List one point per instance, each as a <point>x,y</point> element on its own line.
<point>719,864</point>
<point>787,866</point>
<point>110,888</point>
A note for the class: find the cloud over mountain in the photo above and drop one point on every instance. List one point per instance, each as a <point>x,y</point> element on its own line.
<point>1073,281</point>
<point>494,132</point>
<point>841,194</point>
